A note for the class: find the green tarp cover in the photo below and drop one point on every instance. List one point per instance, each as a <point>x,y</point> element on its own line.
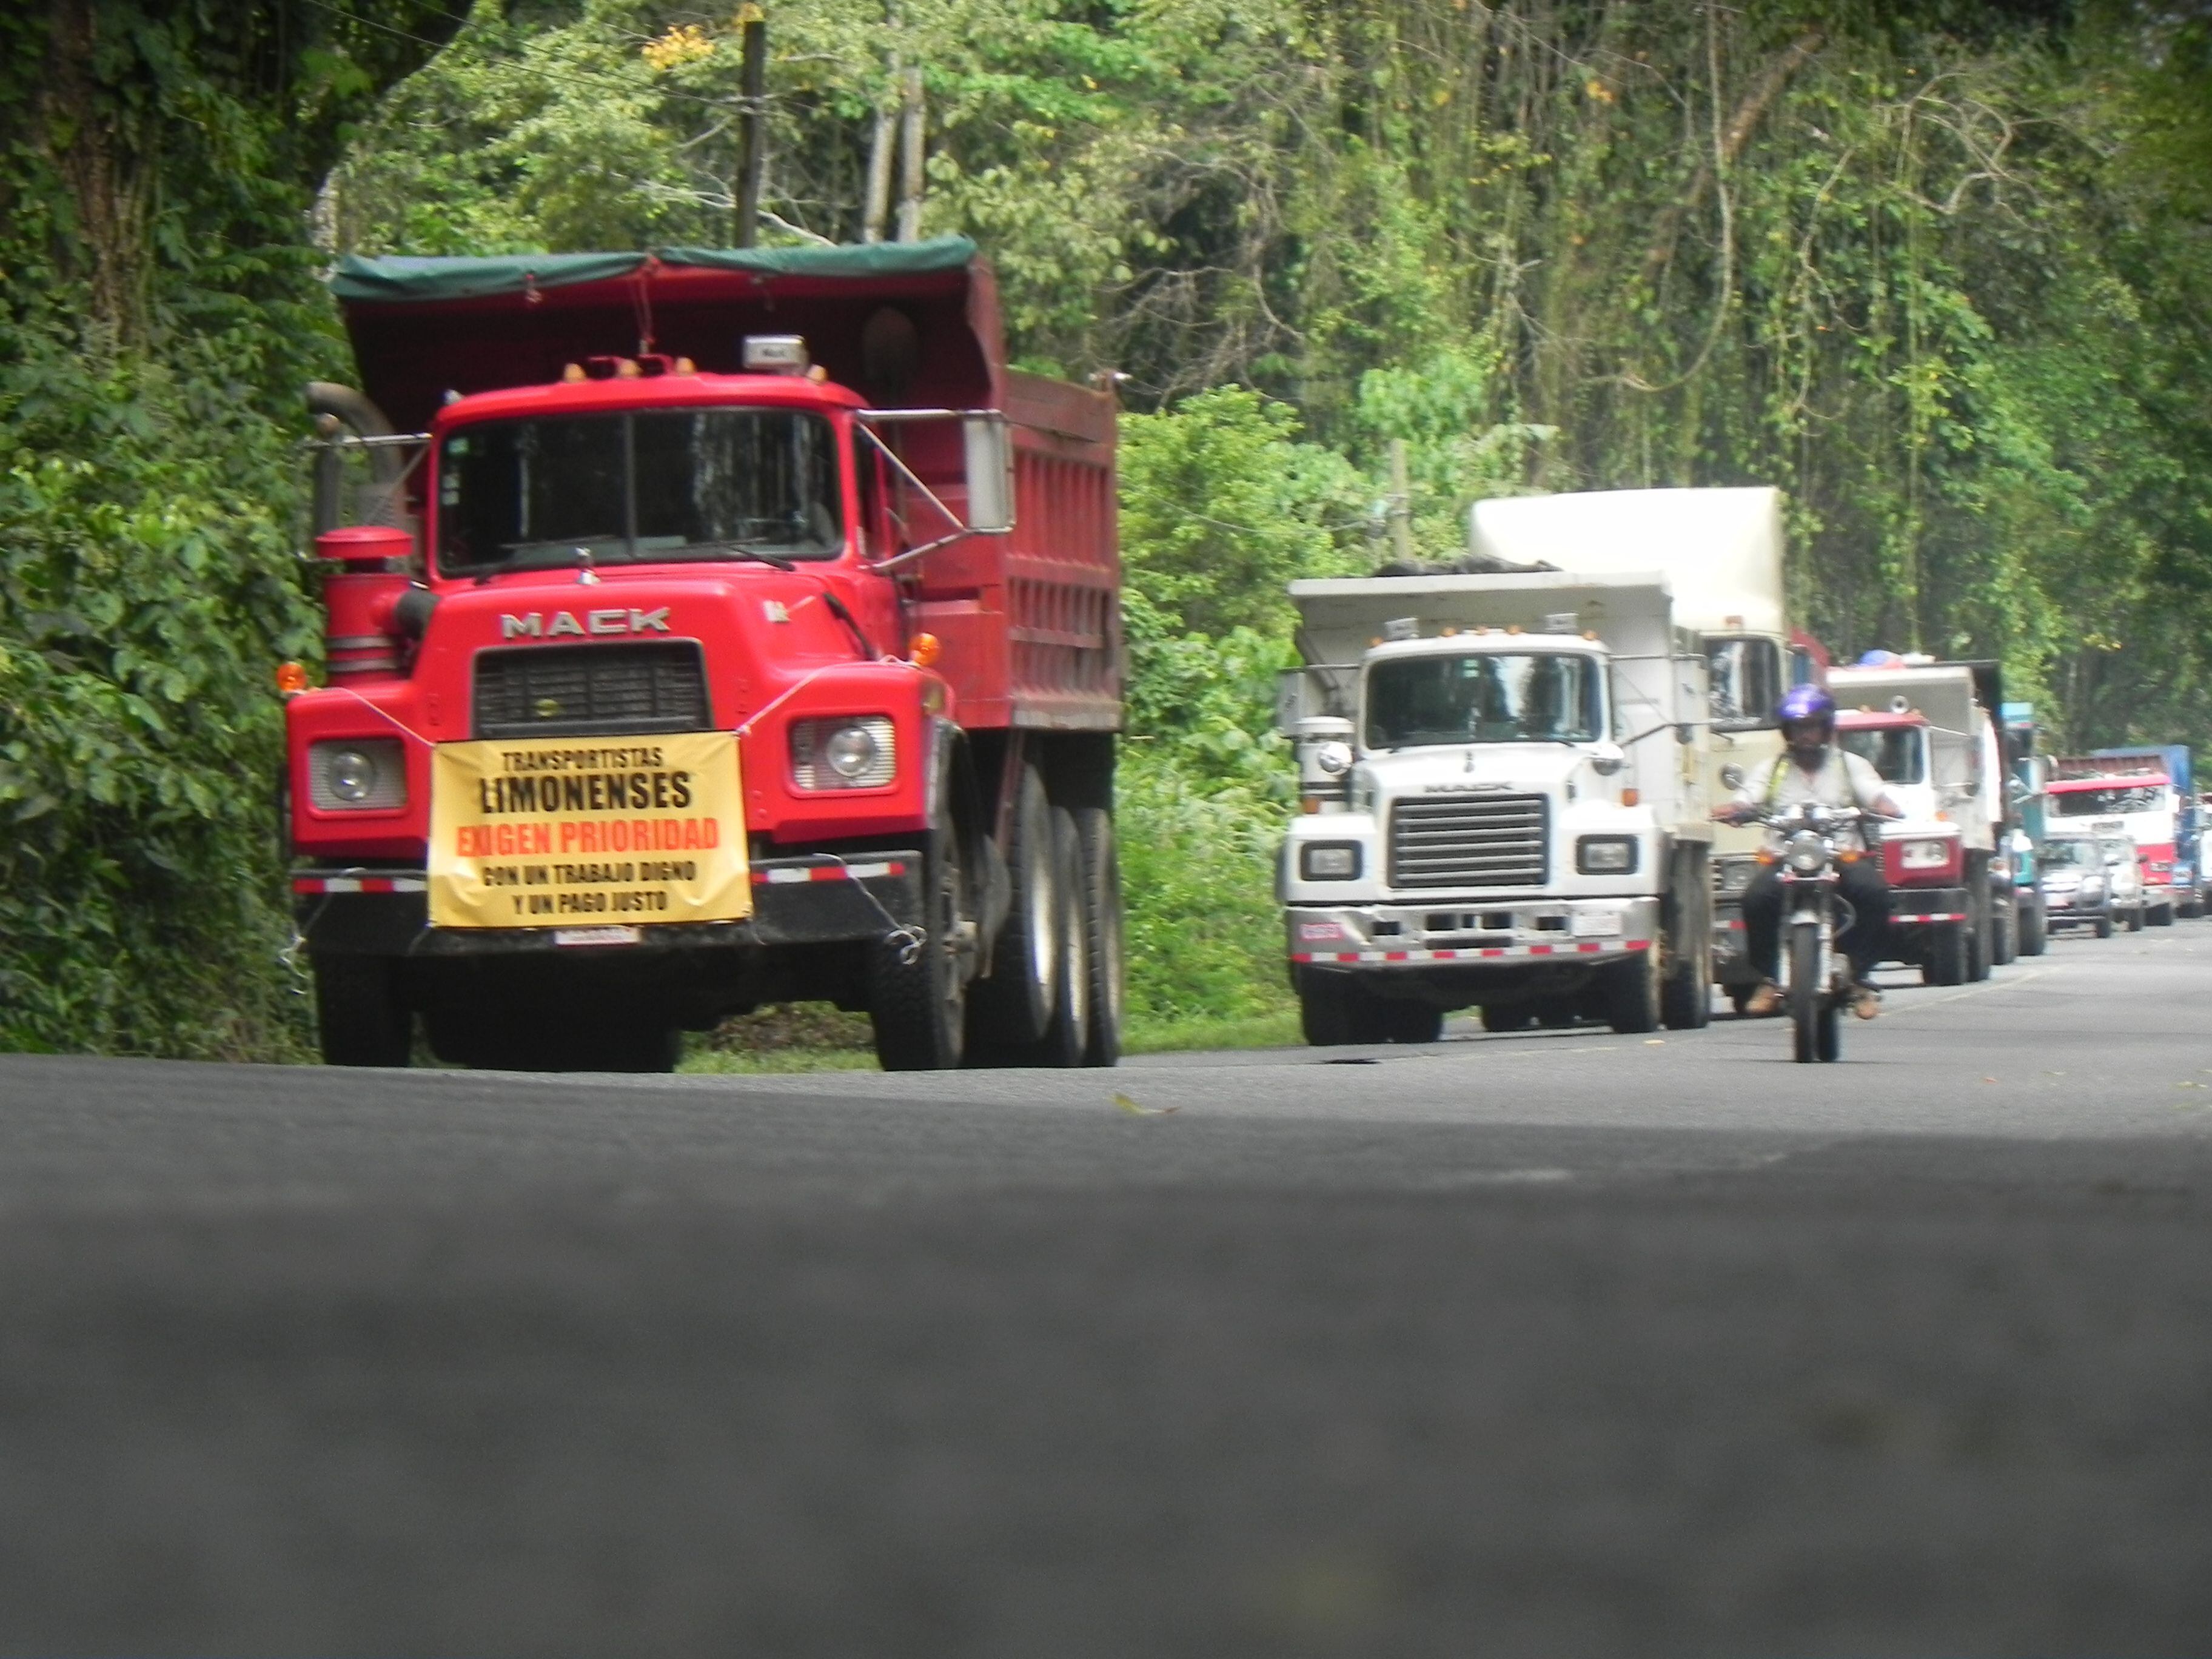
<point>403,278</point>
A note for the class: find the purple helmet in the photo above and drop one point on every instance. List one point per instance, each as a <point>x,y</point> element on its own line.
<point>1805,702</point>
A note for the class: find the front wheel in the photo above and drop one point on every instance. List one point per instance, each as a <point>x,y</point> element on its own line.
<point>1945,961</point>
<point>918,978</point>
<point>2034,928</point>
<point>2161,915</point>
<point>1687,996</point>
<point>2104,928</point>
<point>2136,920</point>
<point>1806,993</point>
<point>358,1014</point>
<point>1632,993</point>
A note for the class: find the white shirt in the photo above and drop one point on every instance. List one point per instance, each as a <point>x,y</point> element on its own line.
<point>1842,780</point>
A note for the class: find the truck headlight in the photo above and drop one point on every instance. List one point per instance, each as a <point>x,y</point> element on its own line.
<point>2092,887</point>
<point>1606,855</point>
<point>357,774</point>
<point>1330,860</point>
<point>1923,854</point>
<point>845,753</point>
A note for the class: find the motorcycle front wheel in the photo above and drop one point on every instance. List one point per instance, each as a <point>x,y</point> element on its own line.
<point>1805,993</point>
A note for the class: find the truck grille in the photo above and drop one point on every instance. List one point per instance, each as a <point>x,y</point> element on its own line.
<point>590,690</point>
<point>1470,841</point>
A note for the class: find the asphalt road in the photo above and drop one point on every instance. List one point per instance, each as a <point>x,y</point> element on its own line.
<point>1556,1344</point>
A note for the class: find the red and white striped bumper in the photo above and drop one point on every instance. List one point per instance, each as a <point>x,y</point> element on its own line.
<point>1572,949</point>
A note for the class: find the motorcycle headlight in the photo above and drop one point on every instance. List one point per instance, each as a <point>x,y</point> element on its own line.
<point>1924,854</point>
<point>1606,855</point>
<point>843,754</point>
<point>362,774</point>
<point>1805,852</point>
<point>1330,860</point>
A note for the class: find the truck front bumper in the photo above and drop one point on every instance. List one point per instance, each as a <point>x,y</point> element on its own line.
<point>1471,932</point>
<point>819,900</point>
<point>1920,907</point>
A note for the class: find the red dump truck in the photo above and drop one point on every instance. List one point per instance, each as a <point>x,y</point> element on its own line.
<point>707,629</point>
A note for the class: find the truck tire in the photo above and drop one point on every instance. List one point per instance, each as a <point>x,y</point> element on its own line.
<point>1414,1022</point>
<point>1336,1009</point>
<point>1015,1002</point>
<point>1632,993</point>
<point>2136,920</point>
<point>1507,1017</point>
<point>918,988</point>
<point>359,1018</point>
<point>1943,961</point>
<point>1977,919</point>
<point>2104,926</point>
<point>1103,947</point>
<point>2034,927</point>
<point>1686,997</point>
<point>2190,907</point>
<point>2005,926</point>
<point>1068,1031</point>
<point>2161,915</point>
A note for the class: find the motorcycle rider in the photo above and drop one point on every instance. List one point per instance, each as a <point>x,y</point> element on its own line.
<point>1811,770</point>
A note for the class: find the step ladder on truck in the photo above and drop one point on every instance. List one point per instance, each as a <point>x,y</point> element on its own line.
<point>707,628</point>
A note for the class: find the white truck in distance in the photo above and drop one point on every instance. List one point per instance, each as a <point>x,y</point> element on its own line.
<point>1502,779</point>
<point>1720,553</point>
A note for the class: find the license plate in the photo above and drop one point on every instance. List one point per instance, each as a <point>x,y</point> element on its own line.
<point>1587,923</point>
<point>598,935</point>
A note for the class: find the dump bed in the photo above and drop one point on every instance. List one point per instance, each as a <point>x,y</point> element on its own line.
<point>1029,622</point>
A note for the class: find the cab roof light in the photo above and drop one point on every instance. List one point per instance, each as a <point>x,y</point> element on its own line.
<point>774,354</point>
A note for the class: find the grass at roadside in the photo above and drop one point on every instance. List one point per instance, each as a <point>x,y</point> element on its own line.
<point>1144,1037</point>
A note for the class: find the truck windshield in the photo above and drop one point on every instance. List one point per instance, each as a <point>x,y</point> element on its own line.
<point>1901,755</point>
<point>1744,677</point>
<point>1552,696</point>
<point>2070,855</point>
<point>690,483</point>
<point>2107,803</point>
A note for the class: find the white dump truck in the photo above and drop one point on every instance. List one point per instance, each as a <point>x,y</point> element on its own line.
<point>1504,805</point>
<point>1928,729</point>
<point>1720,552</point>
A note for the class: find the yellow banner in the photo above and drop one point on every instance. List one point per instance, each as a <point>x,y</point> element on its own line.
<point>587,832</point>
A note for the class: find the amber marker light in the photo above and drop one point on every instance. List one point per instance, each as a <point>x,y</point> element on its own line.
<point>923,650</point>
<point>1631,796</point>
<point>291,678</point>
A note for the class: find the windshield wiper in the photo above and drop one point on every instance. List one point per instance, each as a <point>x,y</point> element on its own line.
<point>728,550</point>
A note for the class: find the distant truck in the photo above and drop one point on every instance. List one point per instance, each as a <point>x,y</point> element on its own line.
<point>1504,784</point>
<point>2184,877</point>
<point>2136,792</point>
<point>714,627</point>
<point>1720,552</point>
<point>1927,727</point>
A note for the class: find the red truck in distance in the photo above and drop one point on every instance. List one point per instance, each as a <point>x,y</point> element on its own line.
<point>709,629</point>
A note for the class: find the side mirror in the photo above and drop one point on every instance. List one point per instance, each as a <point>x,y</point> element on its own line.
<point>1606,758</point>
<point>990,474</point>
<point>1731,776</point>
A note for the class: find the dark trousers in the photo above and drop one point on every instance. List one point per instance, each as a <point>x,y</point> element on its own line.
<point>1860,886</point>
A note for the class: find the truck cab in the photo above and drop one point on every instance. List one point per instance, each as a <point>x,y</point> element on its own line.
<point>1505,806</point>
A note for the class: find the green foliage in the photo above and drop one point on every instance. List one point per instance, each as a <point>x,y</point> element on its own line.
<point>147,587</point>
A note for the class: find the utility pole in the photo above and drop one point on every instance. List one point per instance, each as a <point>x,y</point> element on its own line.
<point>752,151</point>
<point>911,129</point>
<point>876,204</point>
<point>1401,505</point>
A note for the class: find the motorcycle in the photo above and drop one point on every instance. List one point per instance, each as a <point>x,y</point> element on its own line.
<point>1817,976</point>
